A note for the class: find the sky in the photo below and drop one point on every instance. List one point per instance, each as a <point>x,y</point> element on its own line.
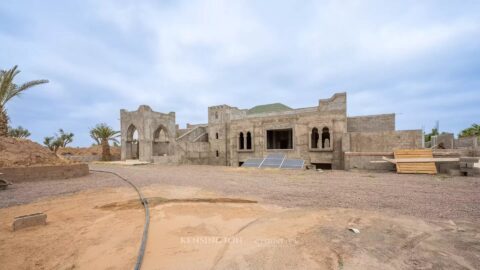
<point>418,59</point>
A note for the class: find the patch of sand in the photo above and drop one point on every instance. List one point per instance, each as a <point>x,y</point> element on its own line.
<point>102,230</point>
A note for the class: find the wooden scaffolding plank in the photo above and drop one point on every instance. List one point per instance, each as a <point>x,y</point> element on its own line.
<point>415,167</point>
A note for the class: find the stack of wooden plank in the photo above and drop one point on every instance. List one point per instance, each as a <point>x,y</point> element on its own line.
<point>417,165</point>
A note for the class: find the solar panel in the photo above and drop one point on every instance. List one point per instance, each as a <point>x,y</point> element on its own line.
<point>293,164</point>
<point>273,160</point>
<point>277,160</point>
<point>253,162</point>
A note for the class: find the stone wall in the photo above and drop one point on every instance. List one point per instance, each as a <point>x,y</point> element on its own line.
<point>385,141</point>
<point>371,123</point>
<point>146,122</point>
<point>331,114</point>
<point>39,173</point>
<point>466,142</point>
<point>361,161</point>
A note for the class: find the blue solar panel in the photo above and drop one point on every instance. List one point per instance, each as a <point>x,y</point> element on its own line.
<point>254,162</point>
<point>276,160</point>
<point>293,164</point>
<point>273,160</point>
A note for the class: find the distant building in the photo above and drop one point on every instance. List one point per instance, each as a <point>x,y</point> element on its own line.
<point>322,135</point>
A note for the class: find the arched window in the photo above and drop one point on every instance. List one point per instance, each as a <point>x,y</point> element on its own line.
<point>241,142</point>
<point>326,138</point>
<point>314,138</point>
<point>216,135</point>
<point>249,140</point>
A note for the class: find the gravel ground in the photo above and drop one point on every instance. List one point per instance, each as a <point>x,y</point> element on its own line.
<point>424,196</point>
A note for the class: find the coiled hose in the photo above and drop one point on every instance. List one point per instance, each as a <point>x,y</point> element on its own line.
<point>141,251</point>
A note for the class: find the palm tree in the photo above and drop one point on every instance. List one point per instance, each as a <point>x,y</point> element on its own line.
<point>8,90</point>
<point>102,134</point>
<point>18,132</point>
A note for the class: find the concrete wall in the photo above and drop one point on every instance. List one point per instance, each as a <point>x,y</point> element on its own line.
<point>361,161</point>
<point>465,142</point>
<point>38,173</point>
<point>443,141</point>
<point>330,113</point>
<point>371,123</point>
<point>385,141</point>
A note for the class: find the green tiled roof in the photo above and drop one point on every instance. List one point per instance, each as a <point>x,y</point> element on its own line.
<point>274,107</point>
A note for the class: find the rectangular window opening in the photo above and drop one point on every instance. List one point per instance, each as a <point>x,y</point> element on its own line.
<point>323,166</point>
<point>280,139</point>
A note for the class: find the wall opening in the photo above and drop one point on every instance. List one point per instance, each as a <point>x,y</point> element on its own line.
<point>132,143</point>
<point>241,141</point>
<point>216,135</point>
<point>240,163</point>
<point>326,143</point>
<point>323,166</point>
<point>160,142</point>
<point>280,139</point>
<point>314,138</point>
<point>249,140</point>
<point>217,154</point>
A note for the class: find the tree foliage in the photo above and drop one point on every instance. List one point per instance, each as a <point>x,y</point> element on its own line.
<point>474,130</point>
<point>428,136</point>
<point>9,90</point>
<point>18,132</point>
<point>62,139</point>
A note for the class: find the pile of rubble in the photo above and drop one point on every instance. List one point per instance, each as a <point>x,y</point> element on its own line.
<point>16,152</point>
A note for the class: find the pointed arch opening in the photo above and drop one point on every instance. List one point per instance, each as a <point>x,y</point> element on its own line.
<point>249,140</point>
<point>132,143</point>
<point>326,142</point>
<point>160,142</point>
<point>314,137</point>
<point>241,141</point>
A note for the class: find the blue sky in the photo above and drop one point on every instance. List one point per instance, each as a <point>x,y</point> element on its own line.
<point>419,59</point>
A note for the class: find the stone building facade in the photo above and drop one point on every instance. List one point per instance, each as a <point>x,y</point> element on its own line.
<point>320,135</point>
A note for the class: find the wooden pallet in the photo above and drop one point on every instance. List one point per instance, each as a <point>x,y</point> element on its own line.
<point>415,166</point>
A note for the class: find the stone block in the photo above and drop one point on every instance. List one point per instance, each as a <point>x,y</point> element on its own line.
<point>29,221</point>
<point>466,165</point>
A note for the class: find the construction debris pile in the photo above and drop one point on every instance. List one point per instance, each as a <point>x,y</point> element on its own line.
<point>16,152</point>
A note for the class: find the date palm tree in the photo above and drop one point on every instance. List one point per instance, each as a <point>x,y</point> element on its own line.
<point>102,134</point>
<point>18,132</point>
<point>9,90</point>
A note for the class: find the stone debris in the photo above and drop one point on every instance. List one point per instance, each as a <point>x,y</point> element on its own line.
<point>29,221</point>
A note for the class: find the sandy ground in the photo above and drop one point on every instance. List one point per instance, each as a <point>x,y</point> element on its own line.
<point>191,228</point>
<point>423,196</point>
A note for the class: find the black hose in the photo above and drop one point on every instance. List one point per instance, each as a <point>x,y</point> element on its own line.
<point>141,251</point>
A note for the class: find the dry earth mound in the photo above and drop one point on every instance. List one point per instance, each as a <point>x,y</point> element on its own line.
<point>16,152</point>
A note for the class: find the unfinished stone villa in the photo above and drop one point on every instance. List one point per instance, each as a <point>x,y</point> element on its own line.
<point>323,135</point>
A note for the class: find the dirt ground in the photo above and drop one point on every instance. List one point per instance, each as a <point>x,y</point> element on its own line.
<point>207,217</point>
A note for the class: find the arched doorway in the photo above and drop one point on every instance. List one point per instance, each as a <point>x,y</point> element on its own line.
<point>133,149</point>
<point>326,143</point>
<point>160,142</point>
